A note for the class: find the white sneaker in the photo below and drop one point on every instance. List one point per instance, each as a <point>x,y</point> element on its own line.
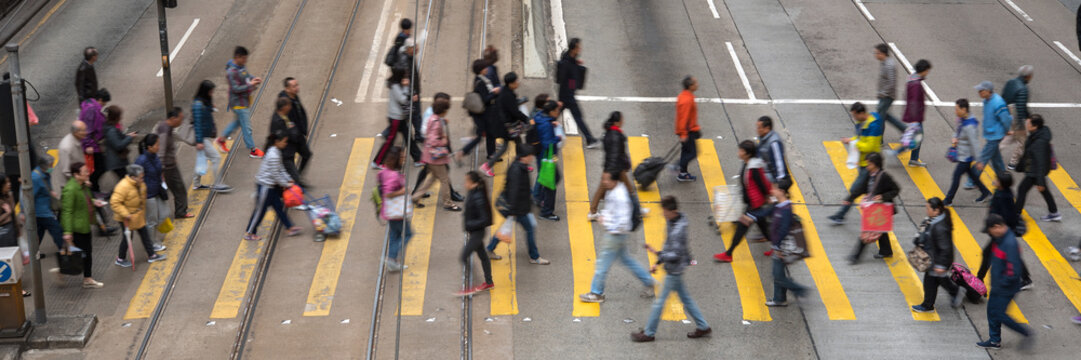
<point>645,211</point>
<point>593,216</point>
<point>1075,253</point>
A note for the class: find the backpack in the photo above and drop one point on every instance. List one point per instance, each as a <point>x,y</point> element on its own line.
<point>964,278</point>
<point>794,245</point>
<point>392,54</point>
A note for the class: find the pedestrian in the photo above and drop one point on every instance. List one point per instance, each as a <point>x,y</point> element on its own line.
<point>406,26</point>
<point>128,203</point>
<point>298,143</point>
<point>91,114</point>
<point>408,65</point>
<point>531,137</point>
<point>422,175</point>
<point>676,257</point>
<point>996,122</point>
<point>914,108</point>
<point>616,217</point>
<point>1015,93</point>
<point>516,196</point>
<point>1006,282</point>
<point>270,182</point>
<point>391,185</point>
<point>297,113</point>
<point>170,172</point>
<point>491,57</point>
<point>755,188</point>
<point>545,124</point>
<point>436,156</point>
<point>571,77</point>
<point>44,198</point>
<point>868,140</point>
<point>936,238</point>
<point>157,208</point>
<point>510,124</point>
<point>771,151</point>
<point>887,85</point>
<point>616,159</point>
<point>116,142</point>
<point>1036,164</point>
<point>398,109</point>
<point>1002,204</point>
<point>488,92</point>
<point>687,127</point>
<point>477,219</point>
<point>964,141</point>
<point>70,151</point>
<point>878,186</point>
<point>781,220</point>
<point>76,218</point>
<point>86,78</point>
<point>241,86</point>
<point>202,119</point>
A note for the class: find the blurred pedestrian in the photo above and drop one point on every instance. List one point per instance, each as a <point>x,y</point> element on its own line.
<point>398,109</point>
<point>510,124</point>
<point>755,188</point>
<point>996,121</point>
<point>70,151</point>
<point>488,92</point>
<point>1015,93</point>
<point>392,185</point>
<point>878,186</point>
<point>964,141</point>
<point>914,108</point>
<point>887,85</point>
<point>491,57</point>
<point>571,77</point>
<point>436,156</point>
<point>423,174</point>
<point>616,159</point>
<point>516,193</point>
<point>616,216</point>
<point>76,218</point>
<point>478,217</point>
<point>86,78</point>
<point>270,182</point>
<point>771,151</point>
<point>44,198</point>
<point>1006,282</point>
<point>241,86</point>
<point>91,114</point>
<point>936,238</point>
<point>298,143</point>
<point>868,140</point>
<point>157,207</point>
<point>1002,204</point>
<point>170,172</point>
<point>545,123</point>
<point>297,113</point>
<point>202,119</point>
<point>128,203</point>
<point>781,221</point>
<point>1036,164</point>
<point>687,127</point>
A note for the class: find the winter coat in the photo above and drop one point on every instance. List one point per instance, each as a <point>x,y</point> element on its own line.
<point>887,79</point>
<point>1036,161</point>
<point>91,115</point>
<point>152,173</point>
<point>202,119</point>
<point>676,254</point>
<point>967,134</point>
<point>753,184</point>
<point>1016,93</point>
<point>686,114</point>
<point>616,158</point>
<point>569,74</point>
<point>478,211</point>
<point>518,191</point>
<point>288,126</point>
<point>116,148</point>
<point>937,240</point>
<point>546,132</point>
<point>129,198</point>
<point>1006,263</point>
<point>996,118</point>
<point>297,114</point>
<point>436,137</point>
<point>1002,203</point>
<point>771,151</point>
<point>884,185</point>
<point>76,210</point>
<point>869,137</point>
<point>398,102</point>
<point>70,151</point>
<point>239,87</point>
<point>914,96</point>
<point>86,81</point>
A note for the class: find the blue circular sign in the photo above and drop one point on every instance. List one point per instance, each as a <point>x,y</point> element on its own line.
<point>5,271</point>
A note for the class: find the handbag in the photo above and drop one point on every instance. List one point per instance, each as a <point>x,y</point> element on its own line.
<point>919,259</point>
<point>165,226</point>
<point>186,133</point>
<point>951,154</point>
<point>546,177</point>
<point>71,263</point>
<point>396,208</point>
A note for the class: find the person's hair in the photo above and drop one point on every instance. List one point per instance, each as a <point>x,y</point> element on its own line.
<point>540,100</point>
<point>883,48</point>
<point>994,220</point>
<point>524,150</point>
<point>875,158</point>
<point>510,78</point>
<point>147,141</point>
<point>549,106</point>
<point>89,52</point>
<point>240,51</point>
<point>440,107</point>
<point>3,181</point>
<point>923,65</point>
<point>688,82</point>
<point>75,126</point>
<point>396,76</point>
<point>1005,180</point>
<point>203,94</point>
<point>134,170</point>
<point>613,118</point>
<point>285,82</point>
<point>281,103</point>
<point>669,203</point>
<point>113,114</point>
<point>573,43</point>
<point>45,161</point>
<point>748,147</point>
<point>393,159</point>
<point>176,111</point>
<point>274,137</point>
<point>766,121</point>
<point>406,24</point>
<point>75,167</point>
<point>1036,120</point>
<point>937,204</point>
<point>1025,70</point>
<point>491,55</point>
<point>441,96</point>
<point>962,103</point>
<point>478,66</point>
<point>477,178</point>
<point>103,95</point>
<point>858,108</point>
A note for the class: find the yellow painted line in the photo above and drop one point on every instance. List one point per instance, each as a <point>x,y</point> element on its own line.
<point>157,275</point>
<point>903,273</point>
<point>38,26</point>
<point>963,240</point>
<point>829,286</point>
<point>1066,186</point>
<point>580,230</point>
<point>751,294</point>
<point>654,227</point>
<point>504,296</point>
<point>1064,274</point>
<point>415,276</point>
<point>235,286</point>
<point>325,281</point>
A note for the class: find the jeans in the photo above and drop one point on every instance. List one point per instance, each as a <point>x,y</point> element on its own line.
<point>931,282</point>
<point>143,235</point>
<point>859,178</point>
<point>782,283</point>
<point>209,152</point>
<point>615,247</point>
<point>475,244</point>
<point>674,282</point>
<point>397,227</point>
<point>883,110</point>
<point>1026,185</point>
<point>528,223</point>
<point>267,196</point>
<point>570,103</point>
<point>688,151</point>
<point>175,180</point>
<point>51,225</point>
<point>991,154</point>
<point>996,313</point>
<point>243,120</point>
<point>759,216</point>
<point>962,168</point>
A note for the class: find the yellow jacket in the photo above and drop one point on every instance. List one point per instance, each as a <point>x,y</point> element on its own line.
<point>129,198</point>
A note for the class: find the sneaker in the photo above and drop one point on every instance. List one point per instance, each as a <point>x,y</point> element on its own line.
<point>377,166</point>
<point>959,298</point>
<point>92,284</point>
<point>722,257</point>
<point>1011,167</point>
<point>697,333</point>
<point>293,231</point>
<point>880,256</point>
<point>467,291</point>
<point>593,216</point>
<point>970,185</point>
<point>486,170</point>
<point>916,163</point>
<point>853,259</point>
<point>394,266</point>
<point>772,303</point>
<point>539,261</point>
<point>685,177</point>
<point>644,211</point>
<point>256,153</point>
<point>922,309</point>
<point>221,145</point>
<point>222,188</point>
<point>1026,284</point>
<point>484,287</point>
<point>184,216</point>
<point>159,247</point>
<point>552,217</point>
<point>155,258</point>
<point>418,164</point>
<point>1075,253</point>
<point>593,145</point>
<point>591,298</point>
<point>1052,217</point>
<point>1076,320</point>
<point>493,256</point>
<point>836,219</point>
<point>983,199</point>
<point>989,344</point>
<point>252,237</point>
<point>641,336</point>
<point>200,187</point>
<point>122,262</point>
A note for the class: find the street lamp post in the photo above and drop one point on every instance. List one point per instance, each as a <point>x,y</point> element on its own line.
<point>166,75</point>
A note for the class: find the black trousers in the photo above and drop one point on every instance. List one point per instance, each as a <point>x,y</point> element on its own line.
<point>930,288</point>
<point>289,157</point>
<point>760,217</point>
<point>175,180</point>
<point>475,244</point>
<point>884,248</point>
<point>688,151</point>
<point>1026,185</point>
<point>144,235</point>
<point>570,103</point>
<point>83,241</point>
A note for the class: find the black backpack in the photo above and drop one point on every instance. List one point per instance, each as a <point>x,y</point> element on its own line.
<point>392,54</point>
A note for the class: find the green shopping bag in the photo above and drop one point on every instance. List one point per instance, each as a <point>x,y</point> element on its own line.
<point>547,175</point>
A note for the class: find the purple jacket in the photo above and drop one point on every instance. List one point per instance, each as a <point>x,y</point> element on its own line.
<point>90,113</point>
<point>914,98</point>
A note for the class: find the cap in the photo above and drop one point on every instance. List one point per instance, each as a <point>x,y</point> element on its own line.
<point>992,220</point>
<point>985,85</point>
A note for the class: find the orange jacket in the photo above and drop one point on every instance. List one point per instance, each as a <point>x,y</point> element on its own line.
<point>686,114</point>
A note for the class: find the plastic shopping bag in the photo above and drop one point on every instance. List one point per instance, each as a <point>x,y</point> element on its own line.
<point>853,160</point>
<point>506,230</point>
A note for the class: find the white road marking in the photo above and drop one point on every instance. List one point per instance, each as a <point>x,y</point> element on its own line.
<point>374,53</point>
<point>863,9</point>
<point>1019,11</point>
<point>731,101</point>
<point>1068,52</point>
<point>183,39</point>
<point>570,127</point>
<point>379,85</point>
<point>910,70</point>
<point>534,68</point>
<point>739,69</point>
<point>713,8</point>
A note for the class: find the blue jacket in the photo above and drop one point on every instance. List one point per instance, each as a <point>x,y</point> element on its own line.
<point>202,119</point>
<point>996,118</point>
<point>152,173</point>
<point>1006,263</point>
<point>42,194</point>
<point>546,132</point>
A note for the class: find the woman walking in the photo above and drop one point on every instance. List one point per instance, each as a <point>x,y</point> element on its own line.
<point>436,156</point>
<point>76,218</point>
<point>157,207</point>
<point>398,106</point>
<point>877,186</point>
<point>616,158</point>
<point>964,140</point>
<point>478,217</point>
<point>116,142</point>
<point>202,119</point>
<point>936,238</point>
<point>129,208</point>
<point>392,186</point>
<point>270,181</point>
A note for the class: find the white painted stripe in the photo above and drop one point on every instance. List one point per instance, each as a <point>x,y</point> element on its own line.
<point>534,68</point>
<point>731,101</point>
<point>739,69</point>
<point>183,39</point>
<point>908,67</point>
<point>1019,11</point>
<point>559,26</point>
<point>863,9</point>
<point>713,8</point>
<point>365,79</point>
<point>1068,52</point>
<point>382,75</point>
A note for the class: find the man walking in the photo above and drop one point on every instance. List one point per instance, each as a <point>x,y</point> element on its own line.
<point>1036,164</point>
<point>571,76</point>
<point>70,151</point>
<point>507,118</point>
<point>676,256</point>
<point>280,122</point>
<point>996,120</point>
<point>687,127</point>
<point>170,172</point>
<point>755,189</point>
<point>1016,93</point>
<point>616,217</point>
<point>517,194</point>
<point>86,78</point>
<point>241,86</point>
<point>299,116</point>
<point>771,151</point>
<point>1006,282</point>
<point>887,85</point>
<point>868,140</point>
<point>914,107</point>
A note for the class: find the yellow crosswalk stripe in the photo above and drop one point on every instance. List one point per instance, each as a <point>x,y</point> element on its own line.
<point>504,296</point>
<point>1065,184</point>
<point>653,226</point>
<point>148,294</point>
<point>415,275</point>
<point>241,270</point>
<point>905,276</point>
<point>963,240</point>
<point>751,294</point>
<point>580,234</point>
<point>829,286</point>
<point>325,281</point>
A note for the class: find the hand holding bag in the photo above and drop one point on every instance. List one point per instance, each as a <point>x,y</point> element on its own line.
<point>547,175</point>
<point>506,230</point>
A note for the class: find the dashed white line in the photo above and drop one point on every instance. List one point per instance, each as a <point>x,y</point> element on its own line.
<point>908,67</point>
<point>739,69</point>
<point>1019,11</point>
<point>713,8</point>
<point>733,101</point>
<point>863,9</point>
<point>1068,52</point>
<point>376,46</point>
<point>180,44</point>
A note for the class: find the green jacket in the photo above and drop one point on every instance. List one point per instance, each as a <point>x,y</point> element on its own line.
<point>76,214</point>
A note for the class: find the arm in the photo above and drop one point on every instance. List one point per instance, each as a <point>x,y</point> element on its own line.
<point>198,118</point>
<point>943,240</point>
<point>116,202</point>
<point>1021,103</point>
<point>237,84</point>
<point>67,211</point>
<point>778,159</point>
<point>985,262</point>
<point>890,190</point>
<point>1002,115</point>
<point>783,227</point>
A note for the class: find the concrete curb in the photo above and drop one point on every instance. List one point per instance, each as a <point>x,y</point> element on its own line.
<point>27,11</point>
<point>63,332</point>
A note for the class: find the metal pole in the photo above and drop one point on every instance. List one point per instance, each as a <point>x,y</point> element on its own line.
<point>22,136</point>
<point>166,74</point>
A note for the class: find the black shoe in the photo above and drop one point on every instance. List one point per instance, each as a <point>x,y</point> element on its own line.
<point>853,259</point>
<point>880,256</point>
<point>456,197</point>
<point>552,217</point>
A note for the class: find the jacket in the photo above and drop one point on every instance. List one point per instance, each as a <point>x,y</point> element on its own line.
<point>129,198</point>
<point>271,170</point>
<point>615,150</point>
<point>937,240</point>
<point>166,145</point>
<point>478,212</point>
<point>152,173</point>
<point>967,134</point>
<point>914,95</point>
<point>91,115</point>
<point>1002,203</point>
<point>240,88</point>
<point>887,78</point>
<point>518,191</point>
<point>1006,263</point>
<point>202,120</point>
<point>286,125</point>
<point>869,137</point>
<point>508,107</point>
<point>996,118</point>
<point>1016,93</point>
<point>780,224</point>
<point>569,74</point>
<point>617,210</point>
<point>70,151</point>
<point>1036,161</point>
<point>878,184</point>
<point>686,114</point>
<point>675,255</point>
<point>771,151</point>
<point>398,102</point>
<point>116,148</point>
<point>86,81</point>
<point>546,132</point>
<point>42,194</point>
<point>298,114</point>
<point>753,184</point>
<point>75,214</point>
<point>407,64</point>
<point>436,137</point>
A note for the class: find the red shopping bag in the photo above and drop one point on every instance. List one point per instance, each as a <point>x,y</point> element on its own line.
<point>877,217</point>
<point>293,196</point>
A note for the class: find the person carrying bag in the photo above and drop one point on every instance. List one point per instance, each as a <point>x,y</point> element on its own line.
<point>936,239</point>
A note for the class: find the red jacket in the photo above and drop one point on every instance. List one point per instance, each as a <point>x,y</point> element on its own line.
<point>686,114</point>
<point>755,186</point>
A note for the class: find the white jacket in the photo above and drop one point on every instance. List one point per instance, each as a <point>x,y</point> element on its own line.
<point>617,209</point>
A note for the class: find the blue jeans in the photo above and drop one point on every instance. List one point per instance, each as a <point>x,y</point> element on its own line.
<point>782,283</point>
<point>991,155</point>
<point>528,223</point>
<point>883,110</point>
<point>615,246</point>
<point>674,282</point>
<point>996,314</point>
<point>965,167</point>
<point>51,225</point>
<point>396,242</point>
<point>243,120</point>
<point>844,208</point>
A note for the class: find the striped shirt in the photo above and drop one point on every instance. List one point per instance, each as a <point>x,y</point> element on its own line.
<point>271,171</point>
